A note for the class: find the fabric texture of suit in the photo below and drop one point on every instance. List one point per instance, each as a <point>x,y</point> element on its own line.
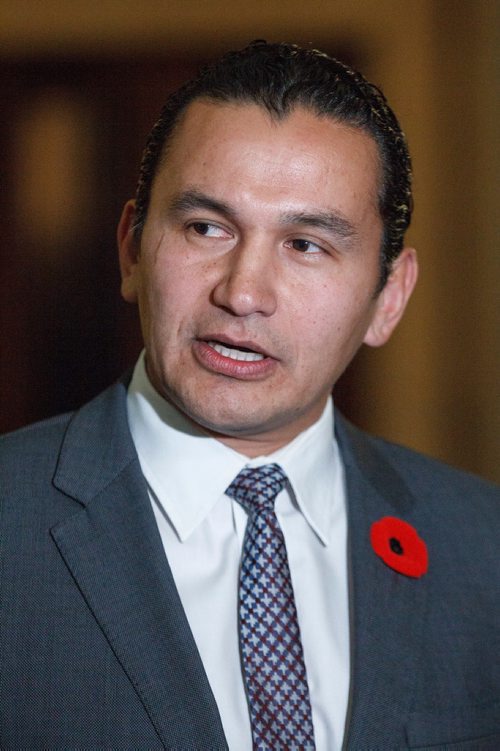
<point>96,649</point>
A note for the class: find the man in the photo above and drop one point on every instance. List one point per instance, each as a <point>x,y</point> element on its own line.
<point>195,559</point>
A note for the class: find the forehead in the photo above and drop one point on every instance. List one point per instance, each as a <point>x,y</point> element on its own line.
<point>243,144</point>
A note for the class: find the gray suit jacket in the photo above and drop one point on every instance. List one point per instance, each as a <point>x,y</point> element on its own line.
<point>96,649</point>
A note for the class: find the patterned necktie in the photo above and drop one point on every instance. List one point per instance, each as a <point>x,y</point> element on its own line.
<point>271,650</point>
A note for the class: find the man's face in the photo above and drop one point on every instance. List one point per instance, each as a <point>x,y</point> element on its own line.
<point>257,268</point>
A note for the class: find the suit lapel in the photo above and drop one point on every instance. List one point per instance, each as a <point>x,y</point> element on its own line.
<point>386,607</point>
<point>113,549</point>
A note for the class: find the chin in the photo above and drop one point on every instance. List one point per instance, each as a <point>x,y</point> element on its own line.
<point>230,420</point>
<point>227,423</point>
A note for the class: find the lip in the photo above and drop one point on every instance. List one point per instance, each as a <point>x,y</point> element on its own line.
<point>244,370</point>
<point>235,343</point>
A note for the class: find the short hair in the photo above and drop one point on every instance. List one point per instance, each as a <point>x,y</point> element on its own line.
<point>279,78</point>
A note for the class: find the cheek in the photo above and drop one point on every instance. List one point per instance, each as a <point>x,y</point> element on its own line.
<point>171,302</point>
<point>332,329</point>
<point>155,306</point>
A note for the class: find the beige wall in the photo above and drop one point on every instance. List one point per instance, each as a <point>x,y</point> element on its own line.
<point>435,386</point>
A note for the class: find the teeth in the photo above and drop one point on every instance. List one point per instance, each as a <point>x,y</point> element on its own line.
<point>236,354</point>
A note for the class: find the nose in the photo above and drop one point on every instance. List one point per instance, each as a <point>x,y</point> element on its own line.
<point>246,284</point>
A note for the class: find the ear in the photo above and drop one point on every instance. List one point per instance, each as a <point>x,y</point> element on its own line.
<point>128,249</point>
<point>392,301</point>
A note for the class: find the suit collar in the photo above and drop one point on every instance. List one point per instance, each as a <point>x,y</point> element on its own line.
<point>387,608</point>
<point>113,549</point>
<point>362,455</point>
<point>97,446</point>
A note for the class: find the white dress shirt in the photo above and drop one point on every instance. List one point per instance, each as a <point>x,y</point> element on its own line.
<point>202,530</point>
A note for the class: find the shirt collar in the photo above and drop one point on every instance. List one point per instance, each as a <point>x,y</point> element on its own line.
<point>188,471</point>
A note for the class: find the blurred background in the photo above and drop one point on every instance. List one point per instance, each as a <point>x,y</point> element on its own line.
<point>82,83</point>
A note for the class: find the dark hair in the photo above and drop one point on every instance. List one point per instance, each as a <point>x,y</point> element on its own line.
<point>280,77</point>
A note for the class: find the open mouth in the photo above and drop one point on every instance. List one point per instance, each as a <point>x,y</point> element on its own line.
<point>243,360</point>
<point>236,353</point>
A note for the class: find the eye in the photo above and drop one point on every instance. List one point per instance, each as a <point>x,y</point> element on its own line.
<point>305,246</point>
<point>208,230</point>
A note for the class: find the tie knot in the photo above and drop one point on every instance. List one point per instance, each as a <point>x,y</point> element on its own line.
<point>256,488</point>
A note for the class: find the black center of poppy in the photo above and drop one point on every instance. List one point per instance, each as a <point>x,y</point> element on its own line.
<point>396,546</point>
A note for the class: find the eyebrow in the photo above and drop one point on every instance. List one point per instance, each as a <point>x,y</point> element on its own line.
<point>326,220</point>
<point>331,222</point>
<point>195,199</point>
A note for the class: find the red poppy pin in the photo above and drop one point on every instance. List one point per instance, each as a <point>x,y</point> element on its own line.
<point>399,546</point>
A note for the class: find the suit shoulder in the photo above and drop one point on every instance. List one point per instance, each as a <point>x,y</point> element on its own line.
<point>427,478</point>
<point>418,465</point>
<point>27,451</point>
<point>35,429</point>
<point>36,436</point>
<point>42,439</point>
<point>78,451</point>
